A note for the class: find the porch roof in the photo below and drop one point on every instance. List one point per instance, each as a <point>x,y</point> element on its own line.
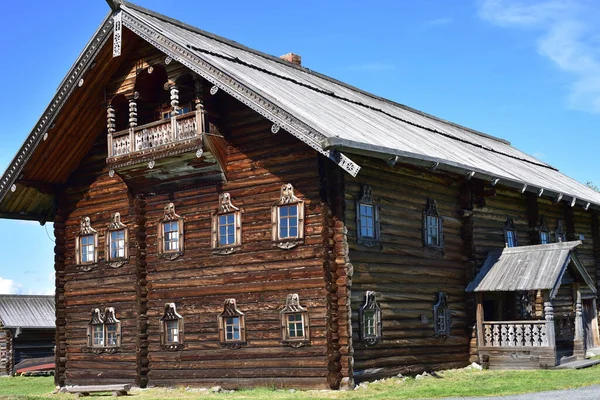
<point>538,267</point>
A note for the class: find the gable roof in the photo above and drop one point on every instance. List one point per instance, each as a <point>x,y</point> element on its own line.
<point>537,267</point>
<point>20,311</point>
<point>326,114</point>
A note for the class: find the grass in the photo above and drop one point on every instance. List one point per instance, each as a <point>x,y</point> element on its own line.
<point>452,383</point>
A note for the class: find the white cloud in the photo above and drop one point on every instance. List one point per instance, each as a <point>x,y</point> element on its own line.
<point>8,286</point>
<point>568,35</point>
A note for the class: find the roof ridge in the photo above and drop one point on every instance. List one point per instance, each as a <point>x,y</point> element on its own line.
<point>307,70</point>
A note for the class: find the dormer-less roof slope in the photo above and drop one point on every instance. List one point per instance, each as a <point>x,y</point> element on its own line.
<point>332,117</point>
<point>27,312</point>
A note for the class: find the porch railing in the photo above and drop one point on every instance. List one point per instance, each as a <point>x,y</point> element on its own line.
<point>155,134</point>
<point>515,334</point>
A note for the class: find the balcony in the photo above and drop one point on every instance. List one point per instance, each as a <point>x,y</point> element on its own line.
<point>184,150</point>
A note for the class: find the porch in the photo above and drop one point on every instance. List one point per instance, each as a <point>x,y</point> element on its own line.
<point>530,307</point>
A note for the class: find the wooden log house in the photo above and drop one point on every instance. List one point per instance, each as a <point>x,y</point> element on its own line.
<point>227,217</point>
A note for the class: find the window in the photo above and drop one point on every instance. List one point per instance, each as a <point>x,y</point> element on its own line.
<point>226,226</point>
<point>171,328</point>
<point>294,322</point>
<point>232,328</point>
<point>287,217</point>
<point>367,219</point>
<point>369,315</point>
<point>117,243</point>
<point>543,232</point>
<point>559,232</point>
<point>104,331</point>
<point>86,245</point>
<point>170,234</point>
<point>441,316</point>
<point>510,233</point>
<point>433,223</point>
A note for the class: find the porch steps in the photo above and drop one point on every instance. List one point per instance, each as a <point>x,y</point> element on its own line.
<point>579,364</point>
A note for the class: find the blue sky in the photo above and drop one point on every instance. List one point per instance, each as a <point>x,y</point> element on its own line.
<point>526,71</point>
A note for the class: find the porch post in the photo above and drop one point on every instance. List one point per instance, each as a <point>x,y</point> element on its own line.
<point>479,318</point>
<point>549,316</point>
<point>578,315</point>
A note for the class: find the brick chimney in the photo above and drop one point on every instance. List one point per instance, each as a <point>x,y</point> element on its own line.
<point>292,58</point>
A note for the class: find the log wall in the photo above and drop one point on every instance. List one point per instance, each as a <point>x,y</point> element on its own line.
<point>406,275</point>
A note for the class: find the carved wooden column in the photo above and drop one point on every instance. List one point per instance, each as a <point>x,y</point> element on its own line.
<point>549,316</point>
<point>133,121</point>
<point>110,125</point>
<point>479,318</point>
<point>174,110</point>
<point>578,346</point>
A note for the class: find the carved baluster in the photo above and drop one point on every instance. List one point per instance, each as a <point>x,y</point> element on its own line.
<point>543,335</point>
<point>527,334</point>
<point>496,333</point>
<point>133,120</point>
<point>487,336</point>
<point>175,108</point>
<point>536,335</point>
<point>110,125</point>
<point>519,334</point>
<point>511,335</point>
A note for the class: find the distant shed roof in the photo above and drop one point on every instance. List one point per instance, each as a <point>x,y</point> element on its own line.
<point>18,311</point>
<point>539,267</point>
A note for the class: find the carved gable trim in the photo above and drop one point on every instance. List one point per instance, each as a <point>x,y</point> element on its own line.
<point>169,213</point>
<point>97,317</point>
<point>287,198</point>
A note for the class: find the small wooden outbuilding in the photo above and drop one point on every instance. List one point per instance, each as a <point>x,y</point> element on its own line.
<point>27,329</point>
<point>530,307</point>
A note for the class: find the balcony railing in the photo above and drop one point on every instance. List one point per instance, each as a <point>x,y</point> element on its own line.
<point>515,334</point>
<point>156,134</point>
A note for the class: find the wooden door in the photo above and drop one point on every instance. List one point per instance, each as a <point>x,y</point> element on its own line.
<point>590,325</point>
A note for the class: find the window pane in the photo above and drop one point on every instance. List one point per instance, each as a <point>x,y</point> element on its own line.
<point>232,328</point>
<point>98,335</point>
<point>88,246</point>
<point>295,325</point>
<point>172,330</point>
<point>293,210</point>
<point>171,236</point>
<point>111,334</point>
<point>510,238</point>
<point>369,323</point>
<point>283,211</point>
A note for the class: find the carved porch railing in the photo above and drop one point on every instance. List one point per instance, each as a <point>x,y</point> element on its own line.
<point>156,134</point>
<point>515,334</point>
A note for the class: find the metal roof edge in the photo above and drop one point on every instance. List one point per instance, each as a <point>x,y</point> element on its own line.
<point>388,154</point>
<point>63,93</point>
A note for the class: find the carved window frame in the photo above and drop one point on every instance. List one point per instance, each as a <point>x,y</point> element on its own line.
<point>226,208</point>
<point>170,314</point>
<point>115,226</point>
<point>230,310</point>
<point>442,318</point>
<point>105,320</point>
<point>543,231</point>
<point>559,233</point>
<point>430,212</point>
<point>86,230</point>
<point>370,308</point>
<point>170,216</point>
<point>293,308</point>
<point>286,199</point>
<point>366,199</point>
<point>509,226</point>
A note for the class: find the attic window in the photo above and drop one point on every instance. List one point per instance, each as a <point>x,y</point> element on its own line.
<point>433,224</point>
<point>170,234</point>
<point>510,233</point>
<point>370,319</point>
<point>294,322</point>
<point>226,226</point>
<point>171,328</point>
<point>287,218</point>
<point>117,242</point>
<point>86,244</point>
<point>367,218</point>
<point>232,326</point>
<point>559,232</point>
<point>543,232</point>
<point>104,331</point>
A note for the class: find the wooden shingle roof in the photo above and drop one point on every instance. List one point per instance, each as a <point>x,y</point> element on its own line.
<point>30,312</point>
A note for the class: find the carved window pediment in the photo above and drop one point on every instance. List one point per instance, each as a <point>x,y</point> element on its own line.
<point>295,327</point>
<point>510,233</point>
<point>117,242</point>
<point>104,331</point>
<point>433,228</point>
<point>226,226</point>
<point>370,319</point>
<point>171,329</point>
<point>367,219</point>
<point>86,245</point>
<point>559,232</point>
<point>287,218</point>
<point>232,326</point>
<point>170,234</point>
<point>442,320</point>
